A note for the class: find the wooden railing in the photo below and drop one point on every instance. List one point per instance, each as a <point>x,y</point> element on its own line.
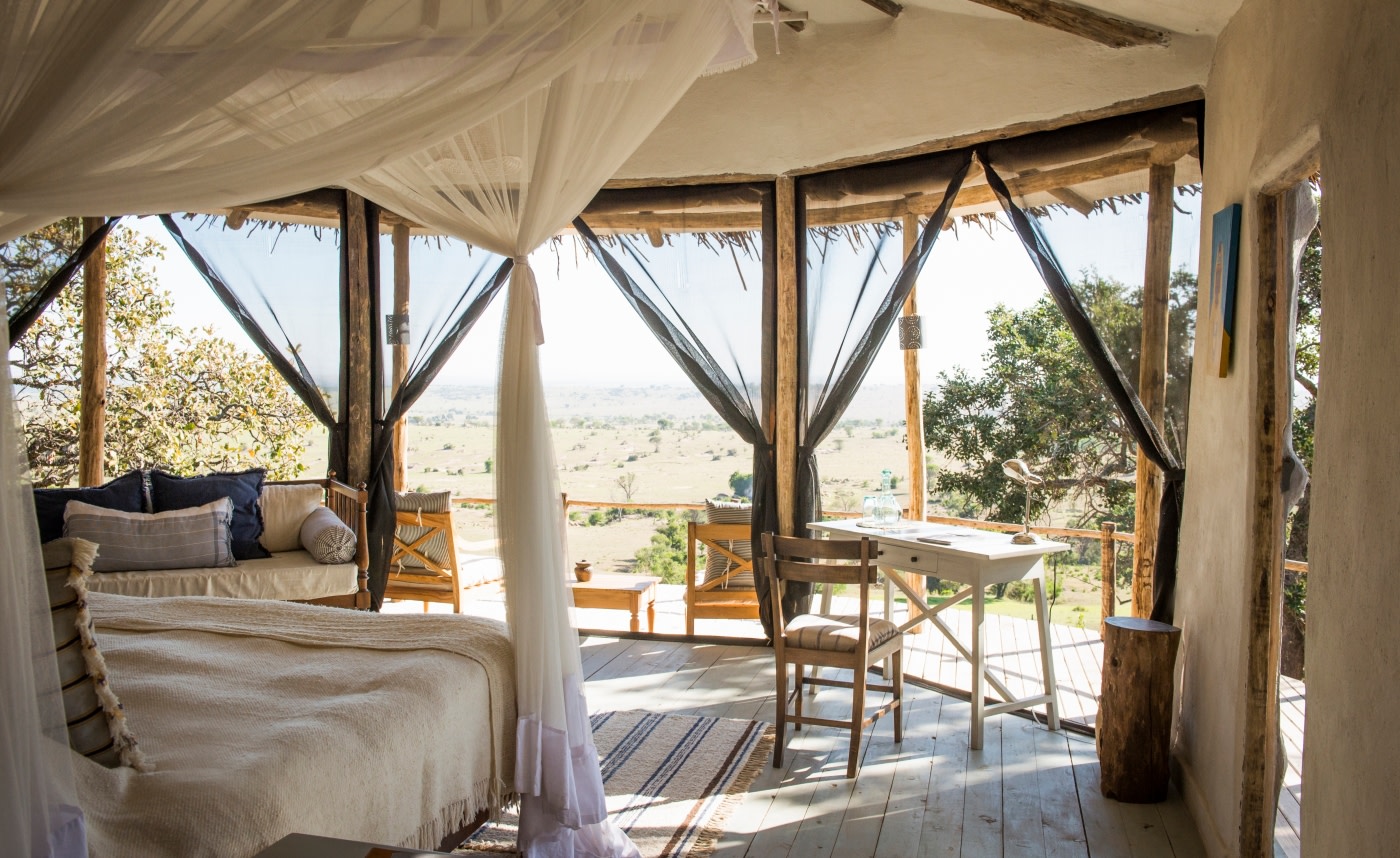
<point>1108,535</point>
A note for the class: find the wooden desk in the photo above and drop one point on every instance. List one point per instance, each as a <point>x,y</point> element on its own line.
<point>977,559</point>
<point>619,592</point>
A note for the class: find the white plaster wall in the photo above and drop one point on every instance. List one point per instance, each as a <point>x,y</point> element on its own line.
<point>837,91</point>
<point>1285,70</point>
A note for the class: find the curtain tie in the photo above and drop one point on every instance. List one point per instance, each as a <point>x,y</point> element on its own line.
<point>523,263</point>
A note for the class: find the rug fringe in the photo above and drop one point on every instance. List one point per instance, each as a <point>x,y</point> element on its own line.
<point>708,838</point>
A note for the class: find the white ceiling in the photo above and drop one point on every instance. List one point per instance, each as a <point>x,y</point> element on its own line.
<point>856,82</point>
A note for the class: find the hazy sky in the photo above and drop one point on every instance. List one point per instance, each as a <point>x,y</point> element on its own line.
<point>594,337</point>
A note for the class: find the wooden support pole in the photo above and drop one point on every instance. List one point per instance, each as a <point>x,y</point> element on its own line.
<point>400,351</point>
<point>1152,375</point>
<point>359,377</point>
<point>1108,573</point>
<point>914,404</point>
<point>1258,797</point>
<point>785,422</point>
<point>92,403</point>
<point>1134,723</point>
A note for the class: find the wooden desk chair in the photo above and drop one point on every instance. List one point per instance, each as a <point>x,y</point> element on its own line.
<point>723,596</point>
<point>818,640</point>
<point>423,566</point>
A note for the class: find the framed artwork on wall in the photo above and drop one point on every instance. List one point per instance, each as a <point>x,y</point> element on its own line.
<point>1224,271</point>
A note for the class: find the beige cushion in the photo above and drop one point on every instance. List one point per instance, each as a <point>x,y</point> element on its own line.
<point>284,508</point>
<point>96,724</point>
<point>327,538</point>
<point>835,634</point>
<point>716,564</point>
<point>286,576</point>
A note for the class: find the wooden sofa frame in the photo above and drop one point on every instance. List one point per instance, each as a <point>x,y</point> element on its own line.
<point>711,600</point>
<point>351,506</point>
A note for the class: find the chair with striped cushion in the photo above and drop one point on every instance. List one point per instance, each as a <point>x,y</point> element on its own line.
<point>723,588</point>
<point>423,566</point>
<point>851,643</point>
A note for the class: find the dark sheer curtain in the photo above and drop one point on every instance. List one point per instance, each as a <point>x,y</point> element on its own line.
<point>708,298</point>
<point>281,285</point>
<point>27,298</point>
<point>1119,388</point>
<point>448,292</point>
<point>848,314</point>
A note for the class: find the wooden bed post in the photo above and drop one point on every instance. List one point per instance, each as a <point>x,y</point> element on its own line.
<point>785,422</point>
<point>359,377</point>
<point>92,406</point>
<point>1152,375</point>
<point>913,401</point>
<point>400,350</point>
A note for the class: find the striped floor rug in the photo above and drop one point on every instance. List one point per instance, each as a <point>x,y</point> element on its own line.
<point>671,780</point>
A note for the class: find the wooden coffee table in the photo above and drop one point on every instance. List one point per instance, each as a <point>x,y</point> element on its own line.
<point>619,592</point>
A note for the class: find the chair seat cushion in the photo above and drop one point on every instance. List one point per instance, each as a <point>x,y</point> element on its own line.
<point>835,633</point>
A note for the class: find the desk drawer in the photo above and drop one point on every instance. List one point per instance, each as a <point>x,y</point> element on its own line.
<point>914,560</point>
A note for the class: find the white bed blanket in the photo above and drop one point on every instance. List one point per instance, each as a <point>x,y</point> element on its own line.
<point>267,718</point>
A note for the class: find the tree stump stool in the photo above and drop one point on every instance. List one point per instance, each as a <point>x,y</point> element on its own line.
<point>1135,709</point>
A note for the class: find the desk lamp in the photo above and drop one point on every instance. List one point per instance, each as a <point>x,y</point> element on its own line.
<point>1019,471</point>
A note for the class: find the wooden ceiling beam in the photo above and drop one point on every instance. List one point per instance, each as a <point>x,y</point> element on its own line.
<point>889,7</point>
<point>1081,21</point>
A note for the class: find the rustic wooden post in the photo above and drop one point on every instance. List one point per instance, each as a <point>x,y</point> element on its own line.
<point>400,350</point>
<point>1152,375</point>
<point>1108,572</point>
<point>788,317</point>
<point>1133,728</point>
<point>92,402</point>
<point>914,405</point>
<point>358,374</point>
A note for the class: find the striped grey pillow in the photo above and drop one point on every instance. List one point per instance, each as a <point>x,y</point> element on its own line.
<point>327,538</point>
<point>716,564</point>
<point>193,538</point>
<point>436,546</point>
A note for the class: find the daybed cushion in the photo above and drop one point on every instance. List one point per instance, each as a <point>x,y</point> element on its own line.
<point>293,575</point>
<point>716,564</point>
<point>264,718</point>
<point>126,493</point>
<point>284,508</point>
<point>97,727</point>
<point>137,541</point>
<point>169,491</point>
<point>326,537</point>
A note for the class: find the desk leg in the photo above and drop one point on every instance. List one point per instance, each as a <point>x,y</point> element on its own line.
<point>636,606</point>
<point>979,658</point>
<point>889,614</point>
<point>651,611</point>
<point>1047,658</point>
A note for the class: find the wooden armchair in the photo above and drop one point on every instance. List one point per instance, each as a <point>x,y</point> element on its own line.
<point>718,597</point>
<point>423,566</point>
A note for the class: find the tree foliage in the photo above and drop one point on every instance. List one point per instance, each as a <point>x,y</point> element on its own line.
<point>1040,399</point>
<point>183,400</point>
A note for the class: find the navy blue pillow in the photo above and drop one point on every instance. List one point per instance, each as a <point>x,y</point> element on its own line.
<point>243,488</point>
<point>125,493</point>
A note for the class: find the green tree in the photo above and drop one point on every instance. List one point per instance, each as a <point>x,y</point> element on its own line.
<point>1040,399</point>
<point>184,400</point>
<point>665,556</point>
<point>741,484</point>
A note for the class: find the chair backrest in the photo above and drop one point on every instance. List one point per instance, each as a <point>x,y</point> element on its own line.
<point>818,561</point>
<point>719,540</point>
<point>424,540</point>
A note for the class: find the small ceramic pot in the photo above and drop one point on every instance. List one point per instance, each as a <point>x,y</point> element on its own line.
<point>582,572</point>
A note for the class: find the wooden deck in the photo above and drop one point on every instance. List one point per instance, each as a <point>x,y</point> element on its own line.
<point>1029,792</point>
<point>932,796</point>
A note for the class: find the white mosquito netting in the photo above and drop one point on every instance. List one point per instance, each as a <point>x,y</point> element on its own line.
<point>493,122</point>
<point>508,185</point>
<point>149,106</point>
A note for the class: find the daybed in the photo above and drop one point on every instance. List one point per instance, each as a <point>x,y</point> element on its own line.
<point>256,719</point>
<point>274,565</point>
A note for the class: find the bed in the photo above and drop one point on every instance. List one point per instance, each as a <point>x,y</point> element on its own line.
<point>260,719</point>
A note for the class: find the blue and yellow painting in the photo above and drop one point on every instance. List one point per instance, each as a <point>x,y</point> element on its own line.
<point>1224,269</point>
